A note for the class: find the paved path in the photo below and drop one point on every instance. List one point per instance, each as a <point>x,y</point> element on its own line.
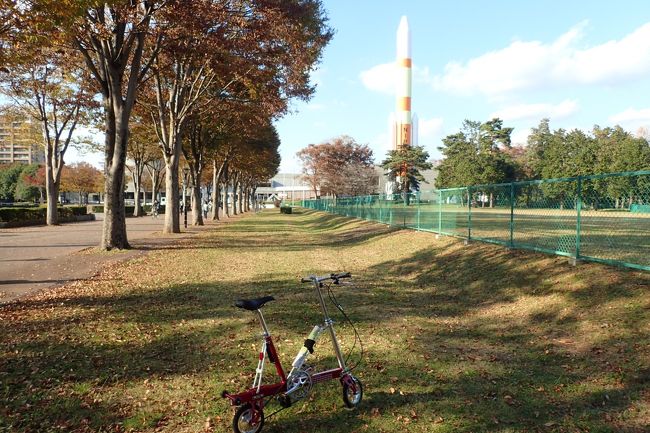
<point>35,258</point>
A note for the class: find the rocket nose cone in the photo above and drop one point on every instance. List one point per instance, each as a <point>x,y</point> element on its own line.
<point>403,39</point>
<point>403,23</point>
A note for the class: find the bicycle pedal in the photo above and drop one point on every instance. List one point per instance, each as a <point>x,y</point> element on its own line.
<point>284,400</point>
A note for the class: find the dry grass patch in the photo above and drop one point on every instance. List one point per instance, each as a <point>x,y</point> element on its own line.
<point>458,338</point>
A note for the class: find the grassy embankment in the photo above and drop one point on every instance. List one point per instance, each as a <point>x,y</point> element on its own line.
<point>457,338</point>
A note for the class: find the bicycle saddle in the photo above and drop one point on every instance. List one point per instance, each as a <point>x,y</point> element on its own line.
<point>253,304</point>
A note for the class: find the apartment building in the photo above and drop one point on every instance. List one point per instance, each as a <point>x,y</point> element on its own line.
<point>20,141</point>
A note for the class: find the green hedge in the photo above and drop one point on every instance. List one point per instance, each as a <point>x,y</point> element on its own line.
<point>147,209</point>
<point>129,209</point>
<point>37,215</point>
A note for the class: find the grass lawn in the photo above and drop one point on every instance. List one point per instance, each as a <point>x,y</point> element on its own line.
<point>457,338</point>
<point>605,234</point>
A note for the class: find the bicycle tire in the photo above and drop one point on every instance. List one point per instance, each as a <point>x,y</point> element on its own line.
<point>242,417</point>
<point>350,398</point>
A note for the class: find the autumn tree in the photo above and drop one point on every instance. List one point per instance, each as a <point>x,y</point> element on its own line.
<point>195,149</point>
<point>155,169</point>
<point>236,121</point>
<point>259,52</point>
<point>142,150</point>
<point>31,183</point>
<point>340,166</point>
<point>257,159</point>
<point>82,178</point>
<point>46,86</point>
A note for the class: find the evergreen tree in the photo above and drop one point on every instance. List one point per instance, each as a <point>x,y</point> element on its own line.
<point>538,142</point>
<point>476,155</point>
<point>404,166</point>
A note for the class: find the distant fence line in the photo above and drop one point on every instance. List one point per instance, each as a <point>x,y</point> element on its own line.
<point>602,218</point>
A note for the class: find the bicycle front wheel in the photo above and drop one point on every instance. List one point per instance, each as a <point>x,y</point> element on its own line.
<point>352,395</point>
<point>243,420</point>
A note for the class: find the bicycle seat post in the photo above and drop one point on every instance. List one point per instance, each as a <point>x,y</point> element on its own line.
<point>262,322</point>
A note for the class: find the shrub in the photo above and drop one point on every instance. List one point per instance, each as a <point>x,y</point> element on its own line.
<point>14,214</point>
<point>128,210</point>
<point>78,210</point>
<point>285,209</point>
<point>37,215</point>
<point>147,209</point>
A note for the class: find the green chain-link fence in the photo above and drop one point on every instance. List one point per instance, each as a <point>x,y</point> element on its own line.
<point>603,218</point>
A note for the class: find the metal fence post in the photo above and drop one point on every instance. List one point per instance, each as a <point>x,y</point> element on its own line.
<point>469,214</point>
<point>417,196</point>
<point>578,217</point>
<point>439,211</point>
<point>512,214</point>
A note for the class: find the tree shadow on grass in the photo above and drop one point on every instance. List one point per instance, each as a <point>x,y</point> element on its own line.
<point>274,238</point>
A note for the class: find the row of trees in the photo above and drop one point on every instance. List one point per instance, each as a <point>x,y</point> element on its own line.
<point>343,167</point>
<point>26,182</point>
<point>481,153</point>
<point>202,79</point>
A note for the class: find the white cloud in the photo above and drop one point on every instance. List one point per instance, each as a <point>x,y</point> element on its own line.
<point>537,111</point>
<point>519,136</point>
<point>631,115</point>
<point>430,128</point>
<point>380,145</point>
<point>383,77</point>
<point>532,64</point>
<point>380,78</point>
<point>314,106</point>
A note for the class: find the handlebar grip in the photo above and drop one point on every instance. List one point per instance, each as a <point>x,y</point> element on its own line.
<point>305,280</point>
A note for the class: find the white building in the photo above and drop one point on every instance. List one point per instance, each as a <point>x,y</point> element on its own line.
<point>285,186</point>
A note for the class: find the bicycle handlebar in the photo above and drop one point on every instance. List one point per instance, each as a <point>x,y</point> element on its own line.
<point>333,277</point>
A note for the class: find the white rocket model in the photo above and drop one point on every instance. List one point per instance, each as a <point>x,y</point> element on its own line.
<point>403,124</point>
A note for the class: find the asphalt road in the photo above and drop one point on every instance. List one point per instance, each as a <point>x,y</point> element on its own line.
<point>35,258</point>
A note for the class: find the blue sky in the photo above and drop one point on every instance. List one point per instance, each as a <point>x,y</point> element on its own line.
<point>577,62</point>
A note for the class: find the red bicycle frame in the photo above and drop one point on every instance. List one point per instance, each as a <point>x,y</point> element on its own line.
<point>256,394</point>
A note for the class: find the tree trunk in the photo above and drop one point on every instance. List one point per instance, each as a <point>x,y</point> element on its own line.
<point>217,173</point>
<point>216,202</point>
<point>224,201</point>
<point>138,171</point>
<point>240,198</point>
<point>137,210</point>
<point>172,216</point>
<point>405,193</point>
<point>247,201</point>
<point>235,179</point>
<point>216,177</point>
<point>52,189</point>
<point>114,229</point>
<point>197,205</point>
<point>226,210</point>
